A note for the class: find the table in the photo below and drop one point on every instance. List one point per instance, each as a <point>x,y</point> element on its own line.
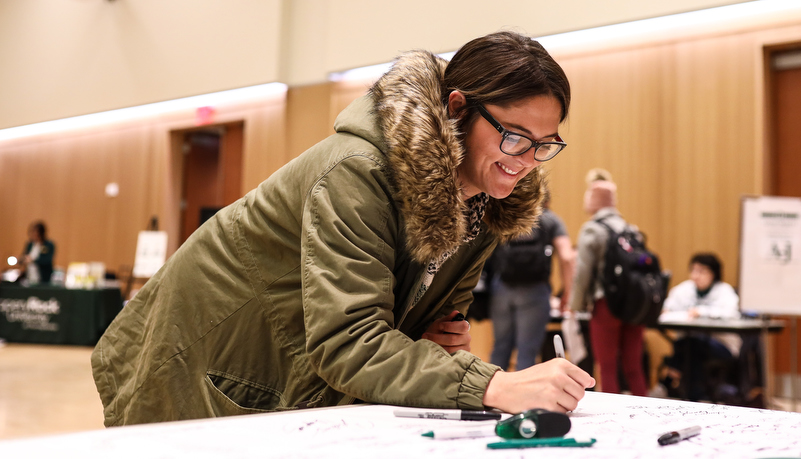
<point>706,325</point>
<point>741,326</point>
<point>50,314</point>
<point>625,426</point>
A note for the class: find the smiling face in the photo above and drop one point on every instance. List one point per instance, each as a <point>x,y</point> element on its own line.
<point>485,167</point>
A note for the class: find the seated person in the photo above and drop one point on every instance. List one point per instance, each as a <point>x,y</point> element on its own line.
<point>703,295</point>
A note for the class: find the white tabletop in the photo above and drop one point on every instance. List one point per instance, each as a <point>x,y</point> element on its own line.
<point>624,426</point>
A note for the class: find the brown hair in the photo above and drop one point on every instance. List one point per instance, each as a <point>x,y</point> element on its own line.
<point>503,67</point>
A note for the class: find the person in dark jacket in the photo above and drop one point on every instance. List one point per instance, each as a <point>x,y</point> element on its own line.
<point>520,299</point>
<point>337,279</point>
<point>37,257</point>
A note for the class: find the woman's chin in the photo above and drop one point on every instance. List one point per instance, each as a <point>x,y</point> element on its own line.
<point>500,193</point>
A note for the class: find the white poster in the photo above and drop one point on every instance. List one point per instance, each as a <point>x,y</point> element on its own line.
<point>770,262</point>
<point>151,252</point>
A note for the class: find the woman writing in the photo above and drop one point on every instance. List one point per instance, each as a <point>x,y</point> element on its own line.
<point>336,279</point>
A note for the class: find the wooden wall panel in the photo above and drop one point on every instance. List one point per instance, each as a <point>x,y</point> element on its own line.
<point>674,123</point>
<point>265,143</point>
<point>61,179</point>
<point>308,117</point>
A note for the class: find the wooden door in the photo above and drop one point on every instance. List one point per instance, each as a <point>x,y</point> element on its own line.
<point>784,171</point>
<point>211,173</point>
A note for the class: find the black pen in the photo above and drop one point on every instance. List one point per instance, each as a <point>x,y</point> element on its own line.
<point>457,415</point>
<point>679,435</point>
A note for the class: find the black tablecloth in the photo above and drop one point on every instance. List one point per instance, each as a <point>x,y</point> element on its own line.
<point>56,315</point>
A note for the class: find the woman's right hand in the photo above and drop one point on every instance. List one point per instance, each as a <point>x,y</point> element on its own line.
<point>555,385</point>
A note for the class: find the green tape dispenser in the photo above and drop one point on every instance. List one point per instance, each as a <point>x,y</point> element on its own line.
<point>536,423</point>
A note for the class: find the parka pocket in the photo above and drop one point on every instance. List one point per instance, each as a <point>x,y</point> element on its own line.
<point>232,395</point>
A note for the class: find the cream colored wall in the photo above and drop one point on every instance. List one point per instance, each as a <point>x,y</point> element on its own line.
<point>64,58</point>
<point>61,58</point>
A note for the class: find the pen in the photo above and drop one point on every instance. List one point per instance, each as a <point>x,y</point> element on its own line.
<point>679,435</point>
<point>539,442</point>
<point>458,415</point>
<point>470,432</point>
<point>558,348</point>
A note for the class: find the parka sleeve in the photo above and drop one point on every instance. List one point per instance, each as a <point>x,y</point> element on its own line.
<point>349,239</point>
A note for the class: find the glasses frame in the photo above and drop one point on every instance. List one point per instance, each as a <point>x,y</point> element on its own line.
<point>506,133</point>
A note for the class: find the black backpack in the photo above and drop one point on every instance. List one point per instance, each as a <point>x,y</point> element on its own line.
<point>525,260</point>
<point>634,285</point>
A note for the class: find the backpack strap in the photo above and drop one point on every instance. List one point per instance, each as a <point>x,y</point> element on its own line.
<point>609,229</point>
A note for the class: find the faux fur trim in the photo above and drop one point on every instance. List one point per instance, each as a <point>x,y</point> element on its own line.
<point>424,151</point>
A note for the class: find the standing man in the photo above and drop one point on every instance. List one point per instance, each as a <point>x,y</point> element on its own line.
<point>520,302</point>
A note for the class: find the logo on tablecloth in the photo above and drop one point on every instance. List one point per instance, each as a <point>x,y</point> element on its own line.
<point>33,313</point>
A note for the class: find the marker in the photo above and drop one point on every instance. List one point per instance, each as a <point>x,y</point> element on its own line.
<point>457,415</point>
<point>558,348</point>
<point>679,435</point>
<point>539,442</point>
<point>472,432</point>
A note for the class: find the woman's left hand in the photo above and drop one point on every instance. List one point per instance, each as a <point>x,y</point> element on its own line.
<point>451,335</point>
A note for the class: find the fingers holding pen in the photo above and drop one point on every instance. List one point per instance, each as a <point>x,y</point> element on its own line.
<point>555,385</point>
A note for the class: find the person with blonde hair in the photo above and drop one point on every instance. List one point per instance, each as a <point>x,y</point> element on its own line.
<point>611,338</point>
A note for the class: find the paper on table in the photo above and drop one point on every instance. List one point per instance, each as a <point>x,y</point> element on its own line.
<point>574,340</point>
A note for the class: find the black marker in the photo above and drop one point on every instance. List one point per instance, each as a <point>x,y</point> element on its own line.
<point>457,415</point>
<point>679,435</point>
<point>458,317</point>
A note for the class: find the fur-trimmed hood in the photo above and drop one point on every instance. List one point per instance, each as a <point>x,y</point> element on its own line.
<point>424,149</point>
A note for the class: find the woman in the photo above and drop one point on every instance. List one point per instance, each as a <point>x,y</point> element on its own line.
<point>704,294</point>
<point>611,338</point>
<point>337,278</point>
<point>37,258</point>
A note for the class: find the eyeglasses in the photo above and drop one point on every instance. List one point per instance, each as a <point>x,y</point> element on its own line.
<point>516,144</point>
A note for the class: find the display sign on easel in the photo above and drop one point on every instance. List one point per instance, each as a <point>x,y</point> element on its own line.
<point>770,255</point>
<point>151,253</point>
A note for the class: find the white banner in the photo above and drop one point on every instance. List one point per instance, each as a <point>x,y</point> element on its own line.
<point>151,252</point>
<point>770,262</point>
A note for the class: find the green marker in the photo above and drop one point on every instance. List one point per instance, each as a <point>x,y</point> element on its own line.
<point>541,442</point>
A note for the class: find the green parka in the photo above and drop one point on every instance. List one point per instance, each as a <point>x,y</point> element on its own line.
<point>301,294</point>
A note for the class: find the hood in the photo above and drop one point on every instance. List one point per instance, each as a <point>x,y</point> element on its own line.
<point>424,149</point>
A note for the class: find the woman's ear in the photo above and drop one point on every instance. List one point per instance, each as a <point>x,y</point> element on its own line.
<point>457,102</point>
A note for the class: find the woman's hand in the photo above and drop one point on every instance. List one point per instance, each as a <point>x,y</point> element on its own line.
<point>451,335</point>
<point>556,385</point>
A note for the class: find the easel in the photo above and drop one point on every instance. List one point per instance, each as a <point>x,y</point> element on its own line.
<point>769,228</point>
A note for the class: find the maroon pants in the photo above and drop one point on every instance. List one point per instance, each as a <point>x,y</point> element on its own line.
<point>611,339</point>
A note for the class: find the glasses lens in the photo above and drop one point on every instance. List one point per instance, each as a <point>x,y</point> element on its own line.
<point>514,144</point>
<point>547,151</point>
